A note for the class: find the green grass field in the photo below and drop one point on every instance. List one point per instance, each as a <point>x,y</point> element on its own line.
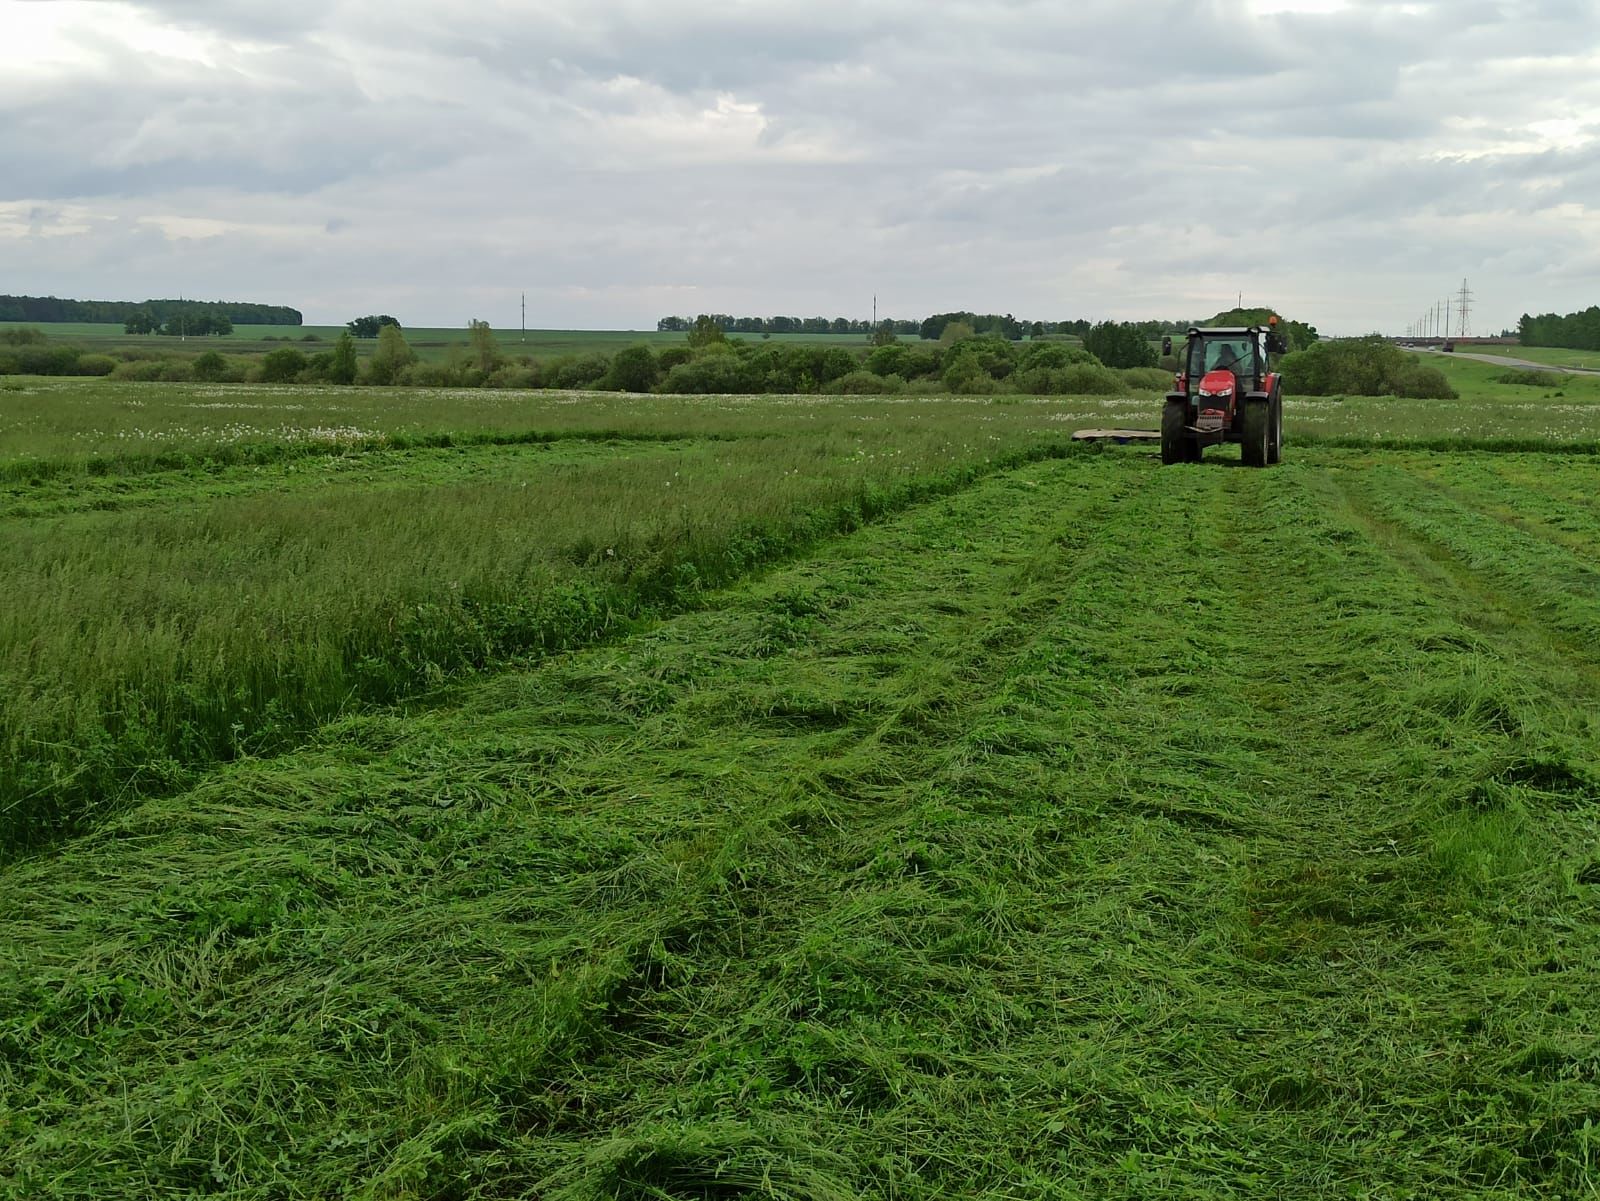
<point>429,343</point>
<point>424,794</point>
<point>1554,356</point>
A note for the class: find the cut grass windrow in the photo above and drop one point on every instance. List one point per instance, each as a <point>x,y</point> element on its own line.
<point>139,646</point>
<point>1096,831</point>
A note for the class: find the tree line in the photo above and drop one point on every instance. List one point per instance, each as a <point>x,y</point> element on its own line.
<point>47,310</point>
<point>997,325</point>
<point>706,362</point>
<point>1574,331</point>
<point>929,328</point>
<point>784,325</point>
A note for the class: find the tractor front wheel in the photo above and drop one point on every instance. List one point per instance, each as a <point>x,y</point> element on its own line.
<point>1254,425</point>
<point>1175,439</point>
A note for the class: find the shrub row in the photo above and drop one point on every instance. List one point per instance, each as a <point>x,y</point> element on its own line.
<point>1370,366</point>
<point>972,366</point>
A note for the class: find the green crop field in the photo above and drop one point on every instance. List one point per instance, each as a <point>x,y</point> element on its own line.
<point>415,793</point>
<point>430,343</point>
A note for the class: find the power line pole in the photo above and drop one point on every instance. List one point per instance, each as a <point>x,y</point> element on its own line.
<point>1464,313</point>
<point>524,316</point>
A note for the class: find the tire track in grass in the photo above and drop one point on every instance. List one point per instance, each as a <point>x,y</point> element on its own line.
<point>358,967</point>
<point>1485,755</point>
<point>1482,571</point>
<point>1539,512</point>
<point>973,993</point>
<point>1171,920</point>
<point>995,851</point>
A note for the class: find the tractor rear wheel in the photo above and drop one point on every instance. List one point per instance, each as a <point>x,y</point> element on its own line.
<point>1175,439</point>
<point>1253,426</point>
<point>1275,430</point>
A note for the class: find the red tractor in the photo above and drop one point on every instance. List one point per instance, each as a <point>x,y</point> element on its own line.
<point>1226,391</point>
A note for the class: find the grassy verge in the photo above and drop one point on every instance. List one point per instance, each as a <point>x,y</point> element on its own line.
<point>1097,831</point>
<point>1554,356</point>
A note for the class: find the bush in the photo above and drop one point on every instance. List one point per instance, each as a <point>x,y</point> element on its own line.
<point>318,369</point>
<point>36,358</point>
<point>342,365</point>
<point>513,375</point>
<point>996,356</point>
<point>310,338</point>
<point>1080,379</point>
<point>964,375</point>
<point>430,375</point>
<point>1120,345</point>
<point>865,383</point>
<point>576,372</point>
<point>1371,366</point>
<point>833,362</point>
<point>889,360</point>
<point>1055,354</point>
<point>177,371</point>
<point>633,369</point>
<point>672,356</point>
<point>391,357</point>
<point>1147,379</point>
<point>96,364</point>
<point>282,366</point>
<point>210,367</point>
<point>1530,379</point>
<point>24,336</point>
<point>924,362</point>
<point>1425,383</point>
<point>139,370</point>
<point>709,375</point>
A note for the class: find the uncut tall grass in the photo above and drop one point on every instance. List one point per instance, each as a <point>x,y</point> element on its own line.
<point>50,426</point>
<point>137,644</point>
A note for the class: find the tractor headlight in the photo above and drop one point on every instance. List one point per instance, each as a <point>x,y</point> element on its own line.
<point>1217,394</point>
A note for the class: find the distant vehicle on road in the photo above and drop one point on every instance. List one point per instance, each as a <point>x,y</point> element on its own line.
<point>1448,348</point>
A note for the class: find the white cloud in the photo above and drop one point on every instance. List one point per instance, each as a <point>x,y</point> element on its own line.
<point>617,159</point>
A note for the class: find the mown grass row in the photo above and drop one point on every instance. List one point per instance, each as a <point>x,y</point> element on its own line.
<point>73,428</point>
<point>1099,831</point>
<point>137,646</point>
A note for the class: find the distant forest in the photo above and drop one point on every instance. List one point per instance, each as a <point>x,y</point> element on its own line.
<point>49,309</point>
<point>1000,326</point>
<point>981,324</point>
<point>1575,331</point>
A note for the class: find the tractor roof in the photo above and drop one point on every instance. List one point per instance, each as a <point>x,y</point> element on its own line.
<point>1223,331</point>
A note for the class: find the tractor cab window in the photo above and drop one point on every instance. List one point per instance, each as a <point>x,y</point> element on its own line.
<point>1225,354</point>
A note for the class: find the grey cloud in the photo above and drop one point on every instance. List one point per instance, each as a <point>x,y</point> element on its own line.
<point>1042,158</point>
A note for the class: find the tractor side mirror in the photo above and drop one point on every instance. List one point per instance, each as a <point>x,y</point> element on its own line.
<point>1277,344</point>
<point>1166,344</point>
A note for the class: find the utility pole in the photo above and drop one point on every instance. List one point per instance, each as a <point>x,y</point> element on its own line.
<point>524,316</point>
<point>1464,312</point>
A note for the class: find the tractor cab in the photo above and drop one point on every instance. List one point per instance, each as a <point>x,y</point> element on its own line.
<point>1225,391</point>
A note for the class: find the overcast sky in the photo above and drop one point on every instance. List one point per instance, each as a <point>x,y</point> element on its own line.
<point>1348,161</point>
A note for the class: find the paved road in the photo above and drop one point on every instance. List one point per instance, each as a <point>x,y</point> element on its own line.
<point>1506,361</point>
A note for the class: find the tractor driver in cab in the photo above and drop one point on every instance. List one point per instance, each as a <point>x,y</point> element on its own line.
<point>1226,357</point>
